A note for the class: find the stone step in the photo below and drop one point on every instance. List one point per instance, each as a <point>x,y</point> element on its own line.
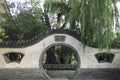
<point>21,73</point>
<point>98,74</point>
<point>58,79</point>
<point>36,74</point>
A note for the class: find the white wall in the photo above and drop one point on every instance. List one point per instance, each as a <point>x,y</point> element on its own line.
<point>32,54</point>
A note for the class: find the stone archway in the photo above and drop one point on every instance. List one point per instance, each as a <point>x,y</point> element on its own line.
<point>65,72</point>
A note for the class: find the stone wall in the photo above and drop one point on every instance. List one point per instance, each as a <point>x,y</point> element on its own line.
<point>33,54</point>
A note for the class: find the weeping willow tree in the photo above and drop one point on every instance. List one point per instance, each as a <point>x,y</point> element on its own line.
<point>93,18</point>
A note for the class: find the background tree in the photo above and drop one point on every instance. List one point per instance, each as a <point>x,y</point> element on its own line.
<point>61,55</point>
<point>93,18</point>
<point>23,24</point>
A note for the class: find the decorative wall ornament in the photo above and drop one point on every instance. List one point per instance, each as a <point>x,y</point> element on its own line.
<point>13,57</point>
<point>104,57</point>
<point>60,38</point>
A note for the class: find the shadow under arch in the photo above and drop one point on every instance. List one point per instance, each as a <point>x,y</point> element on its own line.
<point>60,44</point>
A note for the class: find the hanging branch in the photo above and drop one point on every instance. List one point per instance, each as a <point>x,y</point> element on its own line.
<point>95,19</point>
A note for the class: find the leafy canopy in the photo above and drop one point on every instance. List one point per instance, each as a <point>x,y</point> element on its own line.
<point>24,24</point>
<point>93,18</point>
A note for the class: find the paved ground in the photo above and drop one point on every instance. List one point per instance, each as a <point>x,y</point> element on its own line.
<point>36,74</point>
<point>21,74</point>
<point>98,74</point>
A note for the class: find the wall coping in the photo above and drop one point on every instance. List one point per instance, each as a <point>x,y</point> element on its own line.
<point>41,36</point>
<point>38,38</point>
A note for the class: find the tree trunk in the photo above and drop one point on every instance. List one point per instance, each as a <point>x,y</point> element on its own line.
<point>50,57</point>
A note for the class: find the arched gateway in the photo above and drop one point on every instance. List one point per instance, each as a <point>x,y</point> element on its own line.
<point>23,59</point>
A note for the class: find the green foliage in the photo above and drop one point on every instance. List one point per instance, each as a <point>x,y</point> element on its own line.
<point>56,6</point>
<point>2,34</point>
<point>93,18</point>
<point>96,23</point>
<point>66,53</point>
<point>23,26</point>
<point>62,55</point>
<point>24,23</point>
<point>118,35</point>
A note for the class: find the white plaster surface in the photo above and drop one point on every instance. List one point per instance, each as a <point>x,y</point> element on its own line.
<point>33,53</point>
